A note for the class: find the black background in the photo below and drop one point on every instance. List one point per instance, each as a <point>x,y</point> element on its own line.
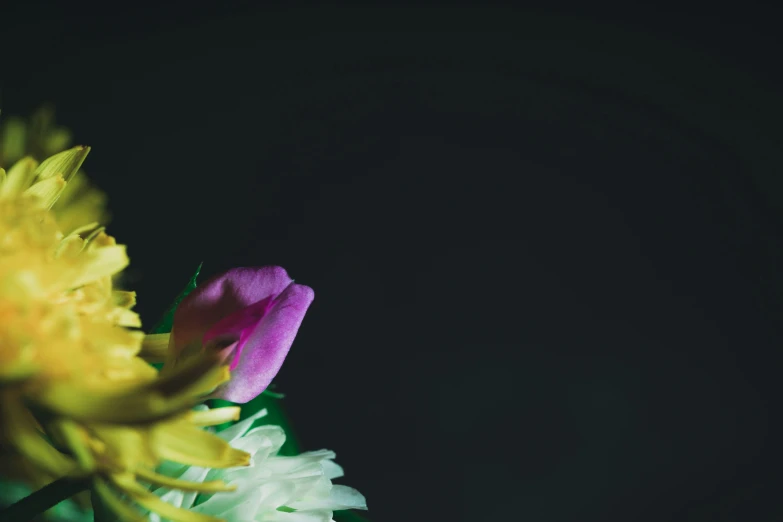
<point>545,245</point>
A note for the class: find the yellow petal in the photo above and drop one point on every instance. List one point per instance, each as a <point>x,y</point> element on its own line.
<point>48,190</point>
<point>111,341</point>
<point>89,227</point>
<point>125,448</point>
<point>127,318</point>
<point>163,397</point>
<point>18,178</point>
<point>124,512</point>
<point>119,373</point>
<point>14,137</point>
<point>211,486</point>
<point>65,163</point>
<point>84,404</point>
<point>105,240</point>
<point>75,208</point>
<point>58,139</point>
<point>101,262</point>
<point>152,502</point>
<point>70,246</point>
<point>20,429</point>
<point>125,299</point>
<point>155,347</point>
<point>187,444</point>
<point>213,416</point>
<point>17,370</point>
<point>198,375</point>
<point>77,185</point>
<point>76,439</point>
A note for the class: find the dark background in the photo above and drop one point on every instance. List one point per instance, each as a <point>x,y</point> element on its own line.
<point>545,245</point>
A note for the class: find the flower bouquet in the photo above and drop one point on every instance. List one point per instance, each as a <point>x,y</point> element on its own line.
<point>100,421</point>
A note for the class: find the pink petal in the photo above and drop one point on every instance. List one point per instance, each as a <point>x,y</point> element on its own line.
<point>234,330</point>
<point>267,345</point>
<point>219,298</point>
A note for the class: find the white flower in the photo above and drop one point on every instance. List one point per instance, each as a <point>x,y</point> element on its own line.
<point>273,488</point>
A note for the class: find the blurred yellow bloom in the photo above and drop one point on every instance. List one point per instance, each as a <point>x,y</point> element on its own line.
<point>39,138</point>
<point>76,398</point>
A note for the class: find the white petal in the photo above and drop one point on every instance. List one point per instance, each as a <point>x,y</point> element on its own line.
<point>340,497</point>
<point>301,482</point>
<point>306,516</point>
<point>306,464</point>
<point>240,428</point>
<point>347,498</point>
<point>270,494</point>
<point>183,499</point>
<point>241,510</point>
<point>270,438</point>
<point>332,470</point>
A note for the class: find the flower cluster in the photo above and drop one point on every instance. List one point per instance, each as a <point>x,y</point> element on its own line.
<point>272,487</point>
<point>79,399</point>
<point>75,397</point>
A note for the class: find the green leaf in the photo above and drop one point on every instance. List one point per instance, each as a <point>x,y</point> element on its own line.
<point>275,415</point>
<point>164,325</point>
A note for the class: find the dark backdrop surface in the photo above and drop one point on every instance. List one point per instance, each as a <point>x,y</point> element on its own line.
<point>545,246</point>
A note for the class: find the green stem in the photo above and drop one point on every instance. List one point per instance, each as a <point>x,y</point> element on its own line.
<point>47,497</point>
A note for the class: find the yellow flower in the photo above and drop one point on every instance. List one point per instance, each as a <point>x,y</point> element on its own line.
<point>76,398</point>
<point>39,138</point>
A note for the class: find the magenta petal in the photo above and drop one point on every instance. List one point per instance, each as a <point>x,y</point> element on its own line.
<point>235,329</point>
<point>250,317</point>
<point>221,297</point>
<point>240,320</point>
<point>267,345</point>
